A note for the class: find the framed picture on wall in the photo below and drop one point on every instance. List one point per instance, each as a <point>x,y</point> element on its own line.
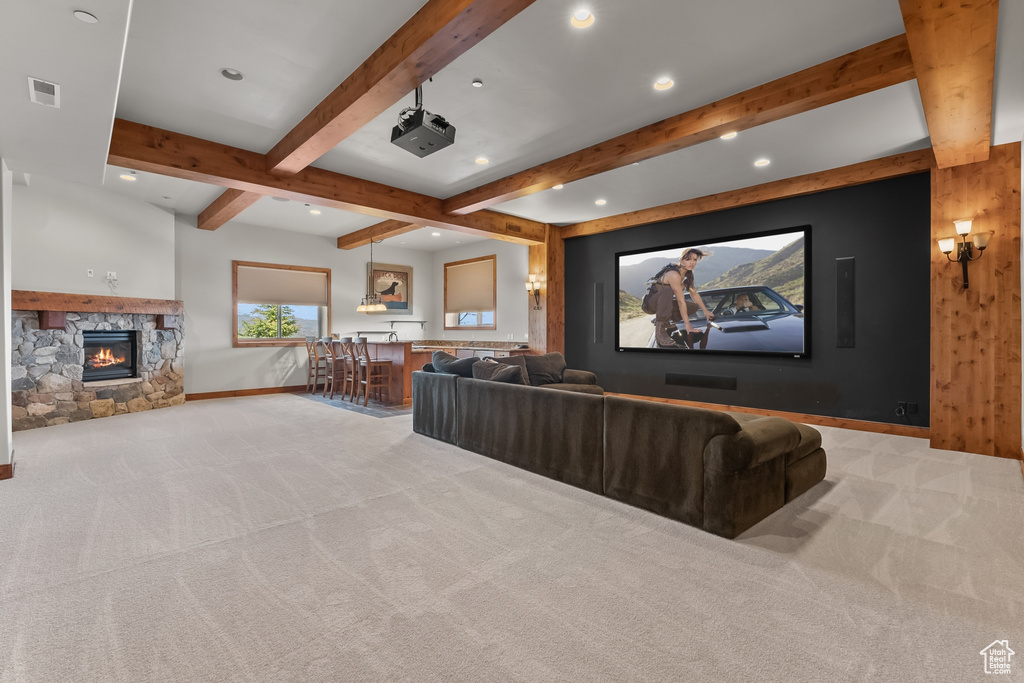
<point>393,284</point>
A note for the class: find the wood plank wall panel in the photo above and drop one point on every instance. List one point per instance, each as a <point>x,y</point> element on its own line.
<point>22,300</point>
<point>976,333</point>
<point>547,326</point>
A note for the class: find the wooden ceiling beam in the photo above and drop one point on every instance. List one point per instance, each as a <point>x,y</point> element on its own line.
<point>862,71</point>
<point>433,38</point>
<point>225,207</point>
<point>154,150</point>
<point>375,233</point>
<point>953,46</point>
<point>855,174</point>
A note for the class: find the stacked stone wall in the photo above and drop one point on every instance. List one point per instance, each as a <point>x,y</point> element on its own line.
<point>47,366</point>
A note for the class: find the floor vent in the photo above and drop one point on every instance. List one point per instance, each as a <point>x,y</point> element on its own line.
<point>44,92</point>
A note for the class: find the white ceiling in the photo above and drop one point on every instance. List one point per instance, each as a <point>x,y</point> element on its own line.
<point>549,89</point>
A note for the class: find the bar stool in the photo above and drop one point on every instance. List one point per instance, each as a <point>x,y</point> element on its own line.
<point>335,366</point>
<point>373,374</point>
<point>347,362</point>
<point>317,369</point>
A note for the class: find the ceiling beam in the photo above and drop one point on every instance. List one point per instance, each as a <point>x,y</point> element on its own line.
<point>953,45</point>
<point>862,71</point>
<point>375,233</point>
<point>855,174</point>
<point>145,148</point>
<point>433,38</point>
<point>437,34</point>
<point>225,207</point>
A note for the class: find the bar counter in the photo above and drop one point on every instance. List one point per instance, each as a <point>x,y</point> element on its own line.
<point>404,359</point>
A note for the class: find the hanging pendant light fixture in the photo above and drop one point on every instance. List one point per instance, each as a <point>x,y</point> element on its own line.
<point>371,302</point>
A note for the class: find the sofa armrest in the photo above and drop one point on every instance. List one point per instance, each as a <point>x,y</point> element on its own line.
<point>757,442</point>
<point>570,376</point>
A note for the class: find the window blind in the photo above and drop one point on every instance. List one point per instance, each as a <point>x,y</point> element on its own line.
<point>469,287</point>
<point>280,286</point>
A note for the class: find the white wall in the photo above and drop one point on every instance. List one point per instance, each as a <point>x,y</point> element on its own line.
<point>61,229</point>
<point>204,284</point>
<point>6,223</point>
<point>513,301</point>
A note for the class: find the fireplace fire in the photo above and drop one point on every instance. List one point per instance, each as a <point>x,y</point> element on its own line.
<point>109,354</point>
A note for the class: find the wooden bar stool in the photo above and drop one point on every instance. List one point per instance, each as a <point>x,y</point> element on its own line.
<point>347,362</point>
<point>317,369</point>
<point>335,364</point>
<point>373,374</point>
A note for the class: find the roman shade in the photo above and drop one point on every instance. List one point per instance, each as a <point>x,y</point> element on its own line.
<point>469,285</point>
<point>268,285</point>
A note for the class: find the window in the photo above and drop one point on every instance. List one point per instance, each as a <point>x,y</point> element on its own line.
<point>469,294</point>
<point>278,305</point>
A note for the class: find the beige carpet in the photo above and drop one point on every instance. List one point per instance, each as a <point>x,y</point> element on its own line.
<point>281,539</point>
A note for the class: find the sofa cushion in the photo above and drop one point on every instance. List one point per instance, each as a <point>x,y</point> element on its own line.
<point>546,369</point>
<point>428,367</point>
<point>498,372</point>
<point>449,364</point>
<point>518,361</point>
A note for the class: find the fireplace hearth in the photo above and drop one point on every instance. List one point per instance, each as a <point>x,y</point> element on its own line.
<point>110,354</point>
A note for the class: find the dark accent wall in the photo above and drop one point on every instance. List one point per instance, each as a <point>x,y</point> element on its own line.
<point>884,226</point>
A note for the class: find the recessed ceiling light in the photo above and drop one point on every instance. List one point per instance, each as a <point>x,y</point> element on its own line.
<point>559,186</point>
<point>730,135</point>
<point>482,160</point>
<point>435,234</point>
<point>762,162</point>
<point>315,212</point>
<point>129,176</point>
<point>232,74</point>
<point>663,83</point>
<point>601,202</point>
<point>167,196</point>
<point>86,17</point>
<point>582,18</point>
<point>458,241</point>
<point>280,199</point>
<point>477,83</point>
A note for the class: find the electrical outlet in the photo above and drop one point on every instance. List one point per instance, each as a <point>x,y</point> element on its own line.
<point>88,272</point>
<point>111,275</point>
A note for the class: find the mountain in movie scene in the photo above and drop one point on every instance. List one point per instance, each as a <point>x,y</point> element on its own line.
<point>633,279</point>
<point>783,271</point>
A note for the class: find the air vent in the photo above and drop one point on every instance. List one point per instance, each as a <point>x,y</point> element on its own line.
<point>44,92</point>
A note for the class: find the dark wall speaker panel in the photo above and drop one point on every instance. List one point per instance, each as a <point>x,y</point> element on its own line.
<point>844,302</point>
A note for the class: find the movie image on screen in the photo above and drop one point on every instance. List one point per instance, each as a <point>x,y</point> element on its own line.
<point>744,294</point>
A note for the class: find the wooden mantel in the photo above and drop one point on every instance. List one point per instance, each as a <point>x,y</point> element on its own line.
<point>22,300</point>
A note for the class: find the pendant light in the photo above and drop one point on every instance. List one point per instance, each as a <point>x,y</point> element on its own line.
<point>371,302</point>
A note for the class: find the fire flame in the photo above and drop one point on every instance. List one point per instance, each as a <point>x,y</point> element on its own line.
<point>104,358</point>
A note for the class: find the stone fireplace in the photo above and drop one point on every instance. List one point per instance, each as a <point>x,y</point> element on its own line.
<point>75,364</point>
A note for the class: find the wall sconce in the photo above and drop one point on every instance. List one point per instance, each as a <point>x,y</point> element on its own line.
<point>964,253</point>
<point>533,287</point>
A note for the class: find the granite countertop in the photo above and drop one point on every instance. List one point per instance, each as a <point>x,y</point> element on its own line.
<point>463,344</point>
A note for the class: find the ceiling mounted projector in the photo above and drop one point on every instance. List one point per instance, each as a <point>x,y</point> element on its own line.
<point>421,132</point>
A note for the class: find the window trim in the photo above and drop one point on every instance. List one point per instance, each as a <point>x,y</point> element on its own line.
<point>494,294</point>
<point>242,342</point>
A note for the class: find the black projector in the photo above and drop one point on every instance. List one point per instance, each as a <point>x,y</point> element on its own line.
<point>423,133</point>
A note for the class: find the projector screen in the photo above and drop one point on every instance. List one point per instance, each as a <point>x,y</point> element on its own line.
<point>746,294</point>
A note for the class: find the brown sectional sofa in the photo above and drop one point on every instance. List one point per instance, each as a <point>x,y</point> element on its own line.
<point>719,471</point>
